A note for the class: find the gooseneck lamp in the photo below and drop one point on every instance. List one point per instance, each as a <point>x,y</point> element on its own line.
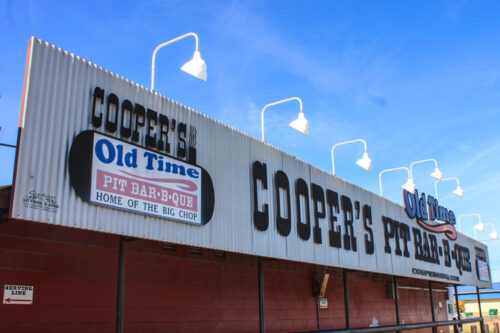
<point>409,185</point>
<point>436,174</point>
<point>195,67</point>
<point>459,192</point>
<point>479,226</point>
<point>300,124</point>
<point>493,234</point>
<point>364,162</point>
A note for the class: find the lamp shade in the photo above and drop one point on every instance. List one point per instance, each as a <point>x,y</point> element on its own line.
<point>196,67</point>
<point>365,162</point>
<point>494,234</point>
<point>458,191</point>
<point>409,186</point>
<point>301,124</point>
<point>437,174</point>
<point>479,226</point>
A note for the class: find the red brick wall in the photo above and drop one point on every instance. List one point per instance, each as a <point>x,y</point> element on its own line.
<point>74,273</point>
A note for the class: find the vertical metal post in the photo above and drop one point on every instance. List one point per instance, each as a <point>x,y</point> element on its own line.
<point>457,327</point>
<point>261,297</point>
<point>480,311</point>
<point>346,300</point>
<point>121,285</point>
<point>434,329</point>
<point>317,310</point>
<point>396,299</point>
<point>456,301</point>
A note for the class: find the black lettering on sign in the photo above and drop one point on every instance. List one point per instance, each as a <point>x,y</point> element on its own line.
<point>303,227</point>
<point>318,198</point>
<point>151,120</point>
<point>260,218</point>
<point>112,108</point>
<point>446,250</point>
<point>334,235</point>
<point>98,96</point>
<point>367,222</point>
<point>426,248</point>
<point>466,257</point>
<point>356,209</point>
<point>417,241</point>
<point>404,233</point>
<point>349,238</point>
<point>388,233</point>
<point>142,125</point>
<point>163,135</point>
<point>192,144</point>
<point>281,183</point>
<point>462,258</point>
<point>434,255</point>
<point>398,231</point>
<point>139,114</point>
<point>396,238</point>
<point>181,146</point>
<point>127,108</point>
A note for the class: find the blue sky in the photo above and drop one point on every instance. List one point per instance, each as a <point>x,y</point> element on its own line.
<point>415,80</point>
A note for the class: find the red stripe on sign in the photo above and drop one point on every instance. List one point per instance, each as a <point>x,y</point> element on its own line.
<point>9,300</point>
<point>182,184</point>
<point>448,229</point>
<point>133,188</point>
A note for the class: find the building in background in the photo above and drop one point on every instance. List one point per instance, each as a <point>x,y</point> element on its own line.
<point>490,301</point>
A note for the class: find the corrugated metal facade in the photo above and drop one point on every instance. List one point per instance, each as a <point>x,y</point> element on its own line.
<point>58,107</point>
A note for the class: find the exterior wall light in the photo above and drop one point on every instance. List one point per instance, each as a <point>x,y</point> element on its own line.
<point>494,234</point>
<point>300,124</point>
<point>436,174</point>
<point>479,225</point>
<point>459,192</point>
<point>409,185</point>
<point>365,162</point>
<point>195,67</point>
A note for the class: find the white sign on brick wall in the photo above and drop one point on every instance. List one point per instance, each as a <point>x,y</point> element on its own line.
<point>18,294</point>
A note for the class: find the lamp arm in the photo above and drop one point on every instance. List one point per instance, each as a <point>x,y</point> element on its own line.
<point>452,178</point>
<point>275,103</point>
<point>436,188</point>
<point>492,226</point>
<point>344,143</point>
<point>333,160</point>
<point>422,161</point>
<point>460,218</point>
<point>347,142</point>
<point>165,44</point>
<point>387,170</point>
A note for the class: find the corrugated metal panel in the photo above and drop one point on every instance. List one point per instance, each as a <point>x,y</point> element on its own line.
<point>58,107</point>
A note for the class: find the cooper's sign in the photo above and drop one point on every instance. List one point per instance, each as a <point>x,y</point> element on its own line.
<point>123,175</point>
<point>113,173</point>
<point>142,125</point>
<point>342,215</point>
<point>101,153</point>
<point>326,204</point>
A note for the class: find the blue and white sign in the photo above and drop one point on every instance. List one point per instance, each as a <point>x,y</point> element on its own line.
<point>121,175</point>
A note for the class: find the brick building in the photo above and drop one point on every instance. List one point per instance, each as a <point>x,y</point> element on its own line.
<point>131,212</point>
